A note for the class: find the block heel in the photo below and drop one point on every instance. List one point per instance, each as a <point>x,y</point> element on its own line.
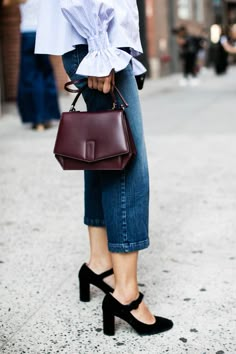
<point>84,290</point>
<point>88,277</point>
<point>113,308</point>
<point>108,323</point>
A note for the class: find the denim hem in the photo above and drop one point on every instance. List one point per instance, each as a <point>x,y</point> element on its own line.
<point>128,247</point>
<point>94,222</point>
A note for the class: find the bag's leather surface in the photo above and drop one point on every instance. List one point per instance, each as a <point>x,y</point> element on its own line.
<point>94,140</point>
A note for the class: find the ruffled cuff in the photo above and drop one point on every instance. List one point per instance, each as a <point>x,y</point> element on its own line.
<point>100,63</point>
<point>138,68</point>
<point>102,57</point>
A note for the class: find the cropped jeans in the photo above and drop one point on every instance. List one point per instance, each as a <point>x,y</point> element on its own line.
<point>117,200</point>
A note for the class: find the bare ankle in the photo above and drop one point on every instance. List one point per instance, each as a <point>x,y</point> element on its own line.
<point>126,296</point>
<point>99,266</point>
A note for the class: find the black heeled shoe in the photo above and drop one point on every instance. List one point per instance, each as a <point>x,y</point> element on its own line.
<point>111,308</point>
<point>87,277</point>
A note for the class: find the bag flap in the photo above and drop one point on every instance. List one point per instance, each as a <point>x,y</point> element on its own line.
<point>92,136</point>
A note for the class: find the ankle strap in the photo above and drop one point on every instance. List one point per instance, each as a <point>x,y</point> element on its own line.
<point>134,304</point>
<point>106,274</point>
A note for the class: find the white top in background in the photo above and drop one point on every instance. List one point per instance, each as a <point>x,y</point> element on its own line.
<point>29,15</point>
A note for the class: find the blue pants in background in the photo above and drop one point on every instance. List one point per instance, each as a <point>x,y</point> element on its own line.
<point>37,93</point>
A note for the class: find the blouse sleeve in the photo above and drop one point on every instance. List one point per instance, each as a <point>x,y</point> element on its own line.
<point>91,20</point>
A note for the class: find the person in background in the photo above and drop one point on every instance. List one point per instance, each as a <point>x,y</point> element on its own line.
<point>37,92</point>
<point>220,54</point>
<point>99,40</point>
<point>189,46</point>
<point>229,42</point>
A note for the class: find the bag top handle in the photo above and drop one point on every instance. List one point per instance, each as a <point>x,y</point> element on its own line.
<point>80,90</point>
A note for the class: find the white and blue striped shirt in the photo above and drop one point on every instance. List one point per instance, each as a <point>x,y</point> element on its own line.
<point>104,25</point>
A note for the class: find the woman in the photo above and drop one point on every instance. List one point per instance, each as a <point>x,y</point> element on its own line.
<point>89,34</point>
<point>189,46</point>
<point>37,93</point>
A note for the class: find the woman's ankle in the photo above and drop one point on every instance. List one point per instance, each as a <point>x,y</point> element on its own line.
<point>126,296</point>
<point>99,266</point>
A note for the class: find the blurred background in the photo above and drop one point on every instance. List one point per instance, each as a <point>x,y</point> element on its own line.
<point>157,19</point>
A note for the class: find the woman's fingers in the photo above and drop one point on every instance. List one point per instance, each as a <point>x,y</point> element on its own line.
<point>103,84</point>
<point>107,85</point>
<point>95,83</point>
<point>100,83</point>
<point>90,82</point>
<point>109,82</point>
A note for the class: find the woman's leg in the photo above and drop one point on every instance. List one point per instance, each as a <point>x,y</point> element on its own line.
<point>100,257</point>
<point>126,284</point>
<point>125,271</point>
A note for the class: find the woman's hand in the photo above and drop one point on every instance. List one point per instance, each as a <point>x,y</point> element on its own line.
<point>104,84</point>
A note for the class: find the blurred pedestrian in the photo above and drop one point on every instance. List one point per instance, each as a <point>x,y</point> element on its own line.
<point>98,40</point>
<point>37,93</point>
<point>189,46</point>
<point>229,42</point>
<point>219,53</point>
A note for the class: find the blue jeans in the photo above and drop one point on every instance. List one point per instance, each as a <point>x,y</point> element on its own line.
<point>118,200</point>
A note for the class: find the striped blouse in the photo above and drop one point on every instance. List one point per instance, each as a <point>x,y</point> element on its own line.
<point>104,25</point>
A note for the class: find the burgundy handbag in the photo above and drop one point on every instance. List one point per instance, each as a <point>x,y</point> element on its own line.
<point>94,140</point>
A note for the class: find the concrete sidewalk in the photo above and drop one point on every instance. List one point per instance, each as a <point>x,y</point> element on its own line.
<point>188,273</point>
